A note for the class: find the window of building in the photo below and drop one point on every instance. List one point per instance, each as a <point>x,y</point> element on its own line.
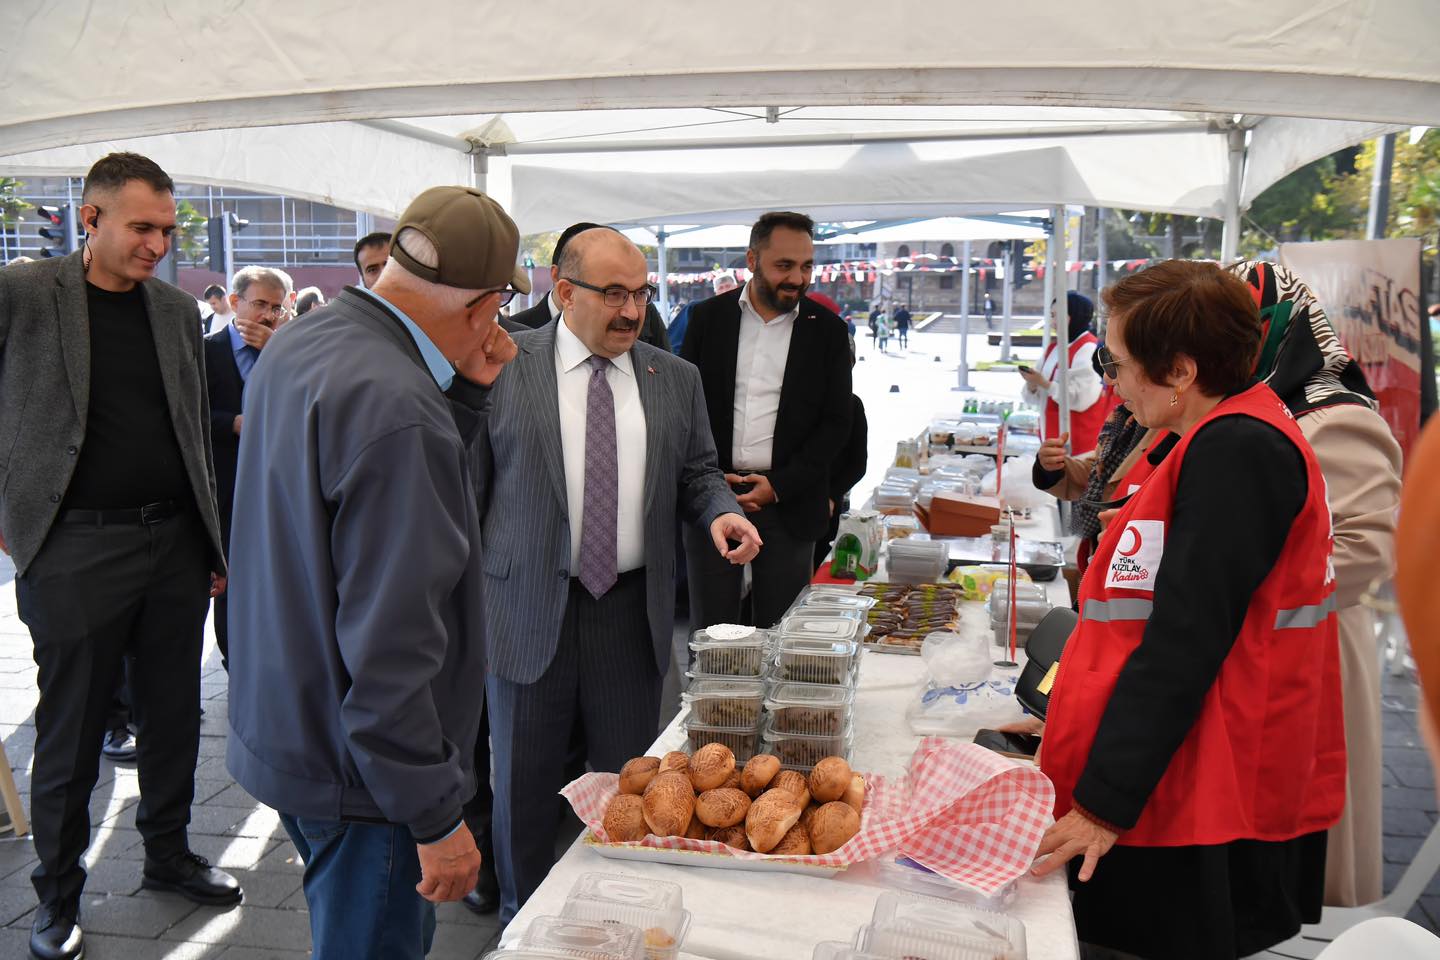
<point>947,250</point>
<point>904,250</point>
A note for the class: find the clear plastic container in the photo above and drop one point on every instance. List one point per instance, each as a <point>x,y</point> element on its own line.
<point>800,752</point>
<point>822,597</point>
<point>719,656</point>
<point>984,928</point>
<point>920,943</point>
<point>743,743</point>
<point>726,703</point>
<point>585,939</point>
<point>655,907</point>
<point>898,872</point>
<point>816,710</point>
<point>838,950</point>
<point>815,661</point>
<point>816,625</point>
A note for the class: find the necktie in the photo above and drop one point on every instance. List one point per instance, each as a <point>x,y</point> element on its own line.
<point>598,524</point>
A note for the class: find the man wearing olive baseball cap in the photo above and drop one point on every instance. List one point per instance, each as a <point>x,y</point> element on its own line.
<point>356,627</point>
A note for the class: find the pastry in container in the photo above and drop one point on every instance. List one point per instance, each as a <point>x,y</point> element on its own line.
<point>810,709</point>
<point>797,751</point>
<point>655,907</point>
<point>729,650</point>
<point>743,741</point>
<point>584,939</point>
<point>801,660</point>
<point>726,703</point>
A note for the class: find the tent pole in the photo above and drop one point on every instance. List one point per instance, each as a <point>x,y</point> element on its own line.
<point>963,382</point>
<point>479,170</point>
<point>1048,295</point>
<point>1230,235</point>
<point>1101,249</point>
<point>1377,221</point>
<point>1062,321</point>
<point>660,237</point>
<point>1007,300</point>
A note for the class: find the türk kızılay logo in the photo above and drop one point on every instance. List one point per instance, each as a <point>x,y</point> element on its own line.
<point>1136,561</point>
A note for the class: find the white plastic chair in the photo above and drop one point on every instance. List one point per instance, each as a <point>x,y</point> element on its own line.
<point>1385,938</point>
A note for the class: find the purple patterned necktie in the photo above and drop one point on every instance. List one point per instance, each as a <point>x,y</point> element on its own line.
<point>602,485</point>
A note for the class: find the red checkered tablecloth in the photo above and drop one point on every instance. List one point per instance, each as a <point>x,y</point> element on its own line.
<point>965,812</point>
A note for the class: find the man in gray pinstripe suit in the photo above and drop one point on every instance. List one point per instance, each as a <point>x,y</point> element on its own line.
<point>595,442</point>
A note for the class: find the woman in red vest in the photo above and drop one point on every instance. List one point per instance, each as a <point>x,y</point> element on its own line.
<point>1195,733</point>
<point>1088,407</point>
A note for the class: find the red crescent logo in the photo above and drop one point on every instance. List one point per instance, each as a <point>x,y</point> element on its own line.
<point>1135,547</point>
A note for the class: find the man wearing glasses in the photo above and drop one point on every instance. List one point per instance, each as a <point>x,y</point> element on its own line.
<point>596,443</point>
<point>257,308</point>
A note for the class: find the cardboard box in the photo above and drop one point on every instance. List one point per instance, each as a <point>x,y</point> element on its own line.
<point>956,515</point>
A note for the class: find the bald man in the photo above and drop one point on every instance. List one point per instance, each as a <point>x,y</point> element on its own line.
<point>596,442</point>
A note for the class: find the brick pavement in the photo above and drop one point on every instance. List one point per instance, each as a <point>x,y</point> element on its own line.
<point>123,922</point>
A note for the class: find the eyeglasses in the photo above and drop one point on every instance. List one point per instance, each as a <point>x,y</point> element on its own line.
<point>615,296</point>
<point>1109,363</point>
<point>506,295</point>
<point>267,308</point>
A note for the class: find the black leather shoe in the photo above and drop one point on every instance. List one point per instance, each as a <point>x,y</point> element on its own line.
<point>482,901</point>
<point>191,876</point>
<point>119,746</point>
<point>56,935</point>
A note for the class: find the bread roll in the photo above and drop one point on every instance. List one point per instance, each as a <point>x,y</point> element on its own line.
<point>794,784</point>
<point>669,802</point>
<point>795,843</point>
<point>636,775</point>
<point>807,815</point>
<point>832,827</point>
<point>770,817</point>
<point>758,773</point>
<point>732,836</point>
<point>855,793</point>
<point>696,830</point>
<point>675,760</point>
<point>829,780</point>
<point>625,819</point>
<point>733,781</point>
<point>711,766</point>
<point>723,807</point>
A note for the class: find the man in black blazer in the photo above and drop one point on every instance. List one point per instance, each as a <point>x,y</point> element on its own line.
<point>775,367</point>
<point>257,306</point>
<point>651,332</point>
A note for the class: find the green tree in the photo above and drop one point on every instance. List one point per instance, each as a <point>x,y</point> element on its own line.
<point>190,234</point>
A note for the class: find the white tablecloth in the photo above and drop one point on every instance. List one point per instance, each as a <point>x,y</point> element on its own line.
<point>745,915</point>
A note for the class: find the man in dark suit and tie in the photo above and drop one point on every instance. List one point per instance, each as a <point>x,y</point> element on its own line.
<point>776,370</point>
<point>652,329</point>
<point>594,444</point>
<point>258,308</point>
<point>108,510</point>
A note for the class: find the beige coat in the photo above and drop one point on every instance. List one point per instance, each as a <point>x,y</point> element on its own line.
<point>1362,466</point>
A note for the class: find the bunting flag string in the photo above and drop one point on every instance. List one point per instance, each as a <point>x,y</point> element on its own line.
<point>859,271</point>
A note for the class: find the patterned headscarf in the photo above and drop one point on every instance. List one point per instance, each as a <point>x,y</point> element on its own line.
<point>1301,357</point>
<point>1120,435</point>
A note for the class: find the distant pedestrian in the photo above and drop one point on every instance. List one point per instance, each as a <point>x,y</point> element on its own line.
<point>989,313</point>
<point>902,326</point>
<point>882,332</point>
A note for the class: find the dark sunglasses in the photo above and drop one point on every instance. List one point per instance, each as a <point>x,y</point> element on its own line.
<point>1109,363</point>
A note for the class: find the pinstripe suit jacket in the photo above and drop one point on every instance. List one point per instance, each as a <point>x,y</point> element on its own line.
<point>525,526</point>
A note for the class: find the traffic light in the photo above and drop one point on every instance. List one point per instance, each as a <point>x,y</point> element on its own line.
<point>1024,263</point>
<point>57,230</point>
<point>221,231</point>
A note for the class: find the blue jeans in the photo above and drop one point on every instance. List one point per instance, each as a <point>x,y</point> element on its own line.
<point>360,886</point>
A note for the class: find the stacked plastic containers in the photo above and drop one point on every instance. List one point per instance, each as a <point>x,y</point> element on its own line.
<point>727,689</point>
<point>580,939</point>
<point>655,908</point>
<point>913,560</point>
<point>1031,606</point>
<point>907,925</point>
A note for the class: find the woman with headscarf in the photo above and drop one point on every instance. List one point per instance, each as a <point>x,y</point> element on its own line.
<point>1304,362</point>
<point>1194,733</point>
<point>1042,387</point>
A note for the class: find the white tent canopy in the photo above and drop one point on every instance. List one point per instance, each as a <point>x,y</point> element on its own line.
<point>939,229</point>
<point>801,107</point>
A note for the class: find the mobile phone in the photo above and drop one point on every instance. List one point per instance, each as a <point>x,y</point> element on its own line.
<point>742,488</point>
<point>1019,745</point>
<point>1024,369</point>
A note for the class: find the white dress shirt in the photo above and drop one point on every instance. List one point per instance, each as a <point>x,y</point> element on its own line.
<point>759,374</point>
<point>553,304</point>
<point>572,378</point>
<point>1083,382</point>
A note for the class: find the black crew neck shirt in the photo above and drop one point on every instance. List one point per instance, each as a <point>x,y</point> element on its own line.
<point>129,456</point>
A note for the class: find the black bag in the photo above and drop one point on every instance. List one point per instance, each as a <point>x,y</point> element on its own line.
<point>1043,652</point>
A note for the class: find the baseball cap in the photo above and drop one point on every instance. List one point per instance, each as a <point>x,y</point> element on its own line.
<point>475,241</point>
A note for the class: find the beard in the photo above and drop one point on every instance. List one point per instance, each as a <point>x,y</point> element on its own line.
<point>781,298</point>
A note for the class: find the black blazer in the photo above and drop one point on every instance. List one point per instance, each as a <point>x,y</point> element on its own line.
<point>813,424</point>
<point>653,332</point>
<point>849,464</point>
<point>222,381</point>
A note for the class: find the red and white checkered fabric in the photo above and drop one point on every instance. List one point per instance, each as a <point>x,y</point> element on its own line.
<point>965,812</point>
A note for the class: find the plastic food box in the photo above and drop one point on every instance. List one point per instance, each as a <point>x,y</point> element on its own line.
<point>744,743</point>
<point>986,929</point>
<point>821,625</point>
<point>921,943</point>
<point>823,597</point>
<point>815,710</point>
<point>655,907</point>
<point>726,703</point>
<point>721,656</point>
<point>838,950</point>
<point>800,752</point>
<point>815,661</point>
<point>584,939</point>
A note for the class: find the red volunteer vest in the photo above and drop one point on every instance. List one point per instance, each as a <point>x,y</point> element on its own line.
<point>1134,478</point>
<point>1084,424</point>
<point>1266,757</point>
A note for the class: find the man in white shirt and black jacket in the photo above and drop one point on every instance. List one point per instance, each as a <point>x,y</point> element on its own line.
<point>775,367</point>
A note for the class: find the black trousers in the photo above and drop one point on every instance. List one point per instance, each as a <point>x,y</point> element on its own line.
<point>222,605</point>
<point>94,596</point>
<point>479,812</point>
<point>777,574</point>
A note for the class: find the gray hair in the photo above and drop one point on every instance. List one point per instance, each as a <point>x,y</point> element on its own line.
<point>251,275</point>
<point>445,299</point>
